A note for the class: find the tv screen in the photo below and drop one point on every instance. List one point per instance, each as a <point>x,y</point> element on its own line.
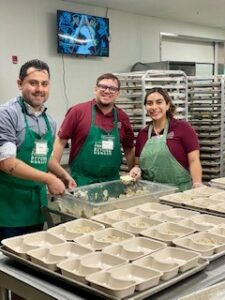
<point>82,34</point>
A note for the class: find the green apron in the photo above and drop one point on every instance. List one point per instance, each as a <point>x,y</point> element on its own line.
<point>158,164</point>
<point>100,156</point>
<point>21,200</point>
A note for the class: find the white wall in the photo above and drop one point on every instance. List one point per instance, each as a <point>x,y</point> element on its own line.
<point>28,30</point>
<point>187,50</point>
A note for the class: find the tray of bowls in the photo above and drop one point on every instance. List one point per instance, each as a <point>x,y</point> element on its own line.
<point>108,218</point>
<point>210,244</point>
<point>133,268</point>
<point>206,200</point>
<point>148,209</point>
<point>174,215</point>
<point>218,182</point>
<point>161,212</point>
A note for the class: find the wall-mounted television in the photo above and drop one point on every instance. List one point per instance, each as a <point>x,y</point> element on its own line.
<point>82,34</point>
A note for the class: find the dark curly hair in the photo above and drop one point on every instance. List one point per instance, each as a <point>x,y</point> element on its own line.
<point>172,109</point>
<point>34,63</point>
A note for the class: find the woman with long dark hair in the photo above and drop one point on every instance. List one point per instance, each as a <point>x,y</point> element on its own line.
<point>167,149</point>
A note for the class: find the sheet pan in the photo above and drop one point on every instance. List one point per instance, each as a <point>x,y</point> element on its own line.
<point>202,264</point>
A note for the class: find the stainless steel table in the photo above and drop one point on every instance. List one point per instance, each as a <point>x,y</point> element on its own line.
<point>34,285</point>
<point>31,284</point>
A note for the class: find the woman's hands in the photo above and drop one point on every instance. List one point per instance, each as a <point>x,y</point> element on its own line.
<point>135,172</point>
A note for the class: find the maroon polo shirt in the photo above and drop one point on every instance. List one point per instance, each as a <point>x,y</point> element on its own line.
<point>77,122</point>
<point>181,140</point>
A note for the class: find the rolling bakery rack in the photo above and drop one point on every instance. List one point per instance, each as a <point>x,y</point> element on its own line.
<point>199,100</point>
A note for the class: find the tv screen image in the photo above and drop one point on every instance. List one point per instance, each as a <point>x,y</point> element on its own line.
<point>82,34</point>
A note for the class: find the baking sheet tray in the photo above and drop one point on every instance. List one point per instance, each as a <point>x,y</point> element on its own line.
<point>195,208</point>
<point>202,264</point>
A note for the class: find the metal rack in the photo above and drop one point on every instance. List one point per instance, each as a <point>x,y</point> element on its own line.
<point>175,82</point>
<point>200,100</point>
<point>206,114</point>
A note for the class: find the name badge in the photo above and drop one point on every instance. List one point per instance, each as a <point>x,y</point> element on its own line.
<point>41,148</point>
<point>107,145</point>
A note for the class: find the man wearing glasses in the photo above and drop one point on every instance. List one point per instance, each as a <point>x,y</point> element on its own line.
<point>97,130</point>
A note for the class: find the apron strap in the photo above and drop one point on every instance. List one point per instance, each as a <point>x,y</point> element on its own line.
<point>21,101</point>
<point>165,131</point>
<point>115,116</point>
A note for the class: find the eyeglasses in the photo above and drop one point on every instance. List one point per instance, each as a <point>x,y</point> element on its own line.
<point>111,89</point>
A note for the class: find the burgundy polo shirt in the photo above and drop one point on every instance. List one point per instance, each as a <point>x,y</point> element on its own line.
<point>181,140</point>
<point>77,122</point>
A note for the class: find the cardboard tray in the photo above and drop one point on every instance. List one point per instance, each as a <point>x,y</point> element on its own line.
<point>194,208</point>
<point>202,264</point>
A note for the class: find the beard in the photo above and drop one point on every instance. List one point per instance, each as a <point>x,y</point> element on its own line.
<point>36,103</point>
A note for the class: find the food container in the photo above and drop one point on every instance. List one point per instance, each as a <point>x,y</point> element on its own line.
<point>203,191</point>
<point>79,268</point>
<point>105,282</point>
<point>73,229</point>
<point>110,217</point>
<point>207,220</point>
<point>69,250</point>
<point>16,245</point>
<point>169,270</point>
<point>134,248</point>
<point>206,243</point>
<point>44,258</point>
<point>148,209</point>
<point>101,197</point>
<point>181,213</point>
<point>188,243</point>
<point>144,277</point>
<point>174,215</point>
<point>101,239</point>
<point>42,239</point>
<point>220,230</point>
<point>177,198</point>
<point>167,232</point>
<point>218,182</point>
<point>136,225</point>
<point>196,226</point>
<point>205,203</point>
<point>184,258</point>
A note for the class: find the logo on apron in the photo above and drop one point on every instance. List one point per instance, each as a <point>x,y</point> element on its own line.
<point>39,153</point>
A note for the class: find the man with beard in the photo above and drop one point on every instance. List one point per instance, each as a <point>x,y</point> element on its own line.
<point>97,130</point>
<point>26,142</point>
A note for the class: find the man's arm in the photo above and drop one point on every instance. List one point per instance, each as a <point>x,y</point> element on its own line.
<point>129,154</point>
<point>58,148</point>
<point>59,171</point>
<point>18,168</point>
